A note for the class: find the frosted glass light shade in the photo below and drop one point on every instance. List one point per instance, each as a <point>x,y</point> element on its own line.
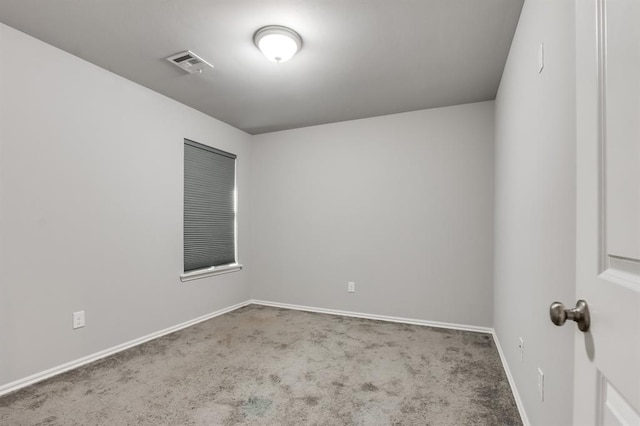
<point>277,43</point>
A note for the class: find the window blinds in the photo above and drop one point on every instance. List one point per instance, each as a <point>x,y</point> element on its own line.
<point>209,206</point>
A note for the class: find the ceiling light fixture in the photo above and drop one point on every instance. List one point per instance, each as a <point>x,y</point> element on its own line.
<point>277,43</point>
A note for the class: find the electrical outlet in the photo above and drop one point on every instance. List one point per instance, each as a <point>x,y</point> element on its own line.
<point>351,287</point>
<point>521,347</point>
<point>541,384</point>
<point>78,319</point>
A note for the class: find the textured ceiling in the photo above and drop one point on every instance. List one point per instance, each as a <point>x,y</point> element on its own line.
<point>360,58</point>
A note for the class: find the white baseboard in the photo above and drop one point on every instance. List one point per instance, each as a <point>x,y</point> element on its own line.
<point>514,389</point>
<point>34,378</point>
<point>453,326</point>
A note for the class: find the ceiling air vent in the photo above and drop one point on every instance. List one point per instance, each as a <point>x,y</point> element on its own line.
<point>189,61</point>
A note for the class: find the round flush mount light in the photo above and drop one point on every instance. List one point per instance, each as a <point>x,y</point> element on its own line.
<point>277,43</point>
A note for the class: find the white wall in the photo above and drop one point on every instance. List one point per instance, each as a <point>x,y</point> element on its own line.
<point>400,204</point>
<point>535,207</point>
<point>91,211</point>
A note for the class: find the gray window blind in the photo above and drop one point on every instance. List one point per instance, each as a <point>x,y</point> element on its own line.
<point>209,208</point>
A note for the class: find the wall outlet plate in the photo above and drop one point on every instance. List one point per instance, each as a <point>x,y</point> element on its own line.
<point>351,287</point>
<point>78,319</point>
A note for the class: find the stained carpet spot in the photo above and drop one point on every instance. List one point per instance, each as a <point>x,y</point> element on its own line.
<point>311,400</point>
<point>286,389</point>
<point>369,387</point>
<point>256,406</point>
<point>274,378</point>
<point>37,403</point>
<point>484,342</point>
<point>412,371</point>
<point>407,409</point>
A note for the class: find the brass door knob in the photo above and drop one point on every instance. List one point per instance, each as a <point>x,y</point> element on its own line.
<point>560,314</point>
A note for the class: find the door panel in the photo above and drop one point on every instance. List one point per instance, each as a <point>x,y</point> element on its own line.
<point>621,99</point>
<point>616,411</point>
<point>619,55</point>
<point>607,357</point>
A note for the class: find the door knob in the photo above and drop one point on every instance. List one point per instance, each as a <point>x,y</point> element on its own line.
<point>580,314</point>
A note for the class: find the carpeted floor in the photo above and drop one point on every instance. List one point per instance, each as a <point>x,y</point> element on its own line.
<point>268,366</point>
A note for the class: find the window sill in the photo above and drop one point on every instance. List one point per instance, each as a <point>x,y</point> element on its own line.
<point>209,272</point>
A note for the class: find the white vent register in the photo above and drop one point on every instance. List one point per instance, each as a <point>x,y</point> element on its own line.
<point>189,61</point>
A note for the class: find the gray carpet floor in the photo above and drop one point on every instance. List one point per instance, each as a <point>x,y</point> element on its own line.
<point>267,366</point>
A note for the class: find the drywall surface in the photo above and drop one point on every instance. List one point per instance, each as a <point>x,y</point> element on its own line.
<point>402,205</point>
<point>91,214</point>
<point>535,207</point>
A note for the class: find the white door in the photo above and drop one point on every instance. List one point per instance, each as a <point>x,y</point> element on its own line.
<point>607,357</point>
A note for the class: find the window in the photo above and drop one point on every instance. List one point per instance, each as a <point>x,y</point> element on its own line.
<point>209,211</point>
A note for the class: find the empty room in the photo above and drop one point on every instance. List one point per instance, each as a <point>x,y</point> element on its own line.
<point>320,212</point>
